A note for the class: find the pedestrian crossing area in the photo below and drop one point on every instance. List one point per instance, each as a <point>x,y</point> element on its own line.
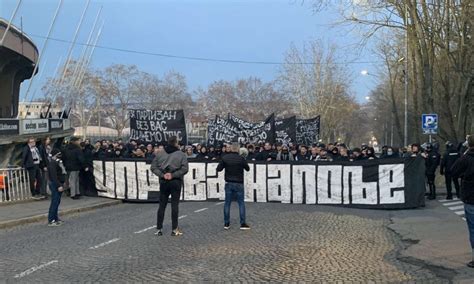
<point>455,205</point>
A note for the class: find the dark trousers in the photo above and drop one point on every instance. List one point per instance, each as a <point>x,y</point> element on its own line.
<point>87,183</point>
<point>449,180</point>
<point>432,185</point>
<point>55,201</point>
<point>167,188</point>
<point>44,182</point>
<point>36,180</point>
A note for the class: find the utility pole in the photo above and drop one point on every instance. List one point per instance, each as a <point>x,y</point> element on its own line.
<point>405,136</point>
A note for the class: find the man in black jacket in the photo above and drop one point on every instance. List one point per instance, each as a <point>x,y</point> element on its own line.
<point>464,167</point>
<point>34,164</point>
<point>267,154</point>
<point>449,158</point>
<point>74,163</point>
<point>303,155</point>
<point>234,166</point>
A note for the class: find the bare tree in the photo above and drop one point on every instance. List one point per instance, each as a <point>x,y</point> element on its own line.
<point>169,92</point>
<point>249,98</point>
<point>320,88</point>
<point>438,34</point>
<point>121,93</point>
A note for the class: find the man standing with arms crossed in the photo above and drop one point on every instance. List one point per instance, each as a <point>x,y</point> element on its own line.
<point>170,166</point>
<point>234,166</point>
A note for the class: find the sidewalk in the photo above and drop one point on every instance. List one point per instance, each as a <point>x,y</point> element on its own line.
<point>37,211</point>
<point>436,238</point>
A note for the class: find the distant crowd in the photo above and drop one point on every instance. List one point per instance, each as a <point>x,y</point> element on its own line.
<point>259,152</point>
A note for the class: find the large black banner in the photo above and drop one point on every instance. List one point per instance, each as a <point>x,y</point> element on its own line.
<point>235,129</point>
<point>307,131</point>
<point>249,132</point>
<point>379,184</point>
<point>285,130</point>
<point>156,126</point>
<point>211,131</point>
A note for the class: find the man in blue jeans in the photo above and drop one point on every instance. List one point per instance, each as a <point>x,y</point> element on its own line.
<point>464,167</point>
<point>234,166</point>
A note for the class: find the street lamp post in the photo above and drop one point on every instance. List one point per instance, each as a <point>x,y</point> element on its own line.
<point>405,134</point>
<point>405,130</point>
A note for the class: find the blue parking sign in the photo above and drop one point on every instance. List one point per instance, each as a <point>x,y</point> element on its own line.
<point>429,123</point>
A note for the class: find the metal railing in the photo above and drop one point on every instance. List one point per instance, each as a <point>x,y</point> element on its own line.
<point>14,185</point>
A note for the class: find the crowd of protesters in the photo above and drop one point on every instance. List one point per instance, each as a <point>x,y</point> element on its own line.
<point>259,152</point>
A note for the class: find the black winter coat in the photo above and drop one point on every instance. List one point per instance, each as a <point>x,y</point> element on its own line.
<point>432,162</point>
<point>464,167</point>
<point>449,158</point>
<point>73,158</point>
<point>88,156</point>
<point>55,173</point>
<point>265,155</point>
<point>301,157</point>
<point>234,166</point>
<point>27,159</point>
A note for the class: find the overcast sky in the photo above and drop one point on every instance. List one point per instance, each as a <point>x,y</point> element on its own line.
<point>247,30</point>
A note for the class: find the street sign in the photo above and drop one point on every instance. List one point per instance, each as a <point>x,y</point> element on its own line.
<point>429,123</point>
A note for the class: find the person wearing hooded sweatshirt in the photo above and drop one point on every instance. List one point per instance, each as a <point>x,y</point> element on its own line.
<point>464,167</point>
<point>389,154</point>
<point>449,158</point>
<point>334,154</point>
<point>57,178</point>
<point>170,166</point>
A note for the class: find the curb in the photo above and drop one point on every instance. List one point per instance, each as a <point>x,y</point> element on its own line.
<point>43,217</point>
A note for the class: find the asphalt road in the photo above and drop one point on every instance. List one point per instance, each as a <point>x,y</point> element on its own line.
<point>287,243</point>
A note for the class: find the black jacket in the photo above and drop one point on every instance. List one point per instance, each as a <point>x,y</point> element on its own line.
<point>55,173</point>
<point>203,156</point>
<point>252,156</point>
<point>449,158</point>
<point>265,155</point>
<point>464,167</point>
<point>89,156</point>
<point>73,158</point>
<point>27,159</point>
<point>234,166</point>
<point>301,157</point>
<point>44,155</point>
<point>432,162</point>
